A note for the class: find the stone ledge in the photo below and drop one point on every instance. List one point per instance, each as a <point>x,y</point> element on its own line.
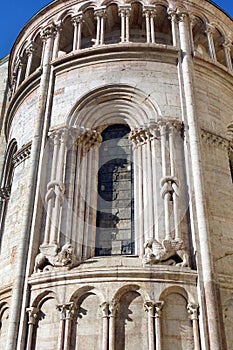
<point>115,269</point>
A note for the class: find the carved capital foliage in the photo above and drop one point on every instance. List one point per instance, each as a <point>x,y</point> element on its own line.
<point>193,311</point>
<point>210,29</point>
<point>78,18</point>
<point>124,10</point>
<point>67,311</point>
<point>153,308</point>
<point>149,11</point>
<point>100,12</point>
<point>89,138</point>
<point>109,309</point>
<point>141,135</point>
<point>33,314</point>
<point>49,31</point>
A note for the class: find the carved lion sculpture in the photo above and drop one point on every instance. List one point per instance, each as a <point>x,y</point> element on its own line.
<point>170,252</point>
<point>64,257</point>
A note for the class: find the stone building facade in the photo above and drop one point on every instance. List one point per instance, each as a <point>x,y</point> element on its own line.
<point>116,161</point>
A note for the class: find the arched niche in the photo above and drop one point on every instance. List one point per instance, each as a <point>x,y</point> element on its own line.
<point>218,39</point>
<point>46,333</point>
<point>131,322</point>
<point>66,37</point>
<point>88,28</point>
<point>4,321</point>
<point>176,326</point>
<point>113,25</point>
<point>137,23</point>
<point>163,31</point>
<point>200,42</point>
<point>87,323</point>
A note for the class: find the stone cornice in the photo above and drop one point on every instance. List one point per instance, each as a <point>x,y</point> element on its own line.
<point>22,154</point>
<point>108,269</point>
<point>114,52</point>
<point>213,139</point>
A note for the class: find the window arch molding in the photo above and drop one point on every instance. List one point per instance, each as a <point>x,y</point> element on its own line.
<point>96,108</point>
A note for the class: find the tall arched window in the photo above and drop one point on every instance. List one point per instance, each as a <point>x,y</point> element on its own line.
<point>114,232</point>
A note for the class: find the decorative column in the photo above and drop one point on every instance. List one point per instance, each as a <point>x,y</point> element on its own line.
<point>50,35</point>
<point>227,45</point>
<point>138,194</point>
<point>85,207</point>
<point>33,314</point>
<point>166,181</point>
<point>124,12</point>
<point>149,307</point>
<point>113,309</point>
<point>210,32</point>
<point>20,71</point>
<point>105,314</point>
<point>58,27</point>
<point>91,147</point>
<point>56,188</point>
<point>29,51</point>
<point>100,15</point>
<point>158,307</point>
<point>67,312</point>
<point>153,310</point>
<point>205,264</point>
<point>193,314</point>
<point>77,21</point>
<point>174,24</point>
<point>149,13</point>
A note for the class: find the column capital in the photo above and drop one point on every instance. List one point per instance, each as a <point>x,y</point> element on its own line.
<point>33,313</point>
<point>78,18</point>
<point>149,10</point>
<point>31,48</point>
<point>124,10</point>
<point>66,310</point>
<point>227,42</point>
<point>210,29</point>
<point>89,139</point>
<point>153,308</point>
<point>49,31</point>
<point>158,308</point>
<point>113,307</point>
<point>100,11</point>
<point>182,14</point>
<point>193,309</point>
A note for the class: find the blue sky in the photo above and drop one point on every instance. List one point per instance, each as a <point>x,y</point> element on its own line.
<point>15,14</point>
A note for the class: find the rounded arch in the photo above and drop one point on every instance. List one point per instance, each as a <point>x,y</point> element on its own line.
<point>81,292</point>
<point>131,288</point>
<point>43,297</point>
<point>3,307</point>
<point>179,290</point>
<point>115,103</point>
<point>63,15</point>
